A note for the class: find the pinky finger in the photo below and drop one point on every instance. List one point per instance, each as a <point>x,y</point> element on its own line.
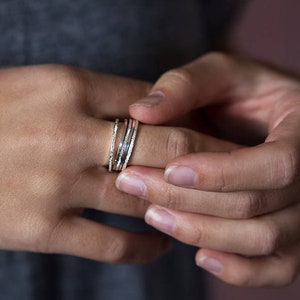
<point>85,238</point>
<point>276,270</point>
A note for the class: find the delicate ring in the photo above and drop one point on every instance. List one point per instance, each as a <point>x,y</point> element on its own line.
<point>118,160</point>
<point>112,145</point>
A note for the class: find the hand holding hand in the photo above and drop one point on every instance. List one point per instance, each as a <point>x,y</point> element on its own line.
<point>239,203</point>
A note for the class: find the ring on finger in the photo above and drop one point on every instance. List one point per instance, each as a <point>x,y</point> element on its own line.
<point>119,156</point>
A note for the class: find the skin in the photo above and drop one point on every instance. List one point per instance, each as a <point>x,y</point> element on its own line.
<point>54,148</point>
<point>55,132</point>
<point>239,203</point>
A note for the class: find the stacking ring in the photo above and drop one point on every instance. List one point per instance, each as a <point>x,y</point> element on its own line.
<point>120,156</point>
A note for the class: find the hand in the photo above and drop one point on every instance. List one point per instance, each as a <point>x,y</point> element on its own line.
<point>241,205</point>
<point>53,156</point>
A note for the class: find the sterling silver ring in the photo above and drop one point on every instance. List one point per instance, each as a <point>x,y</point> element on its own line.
<point>119,156</point>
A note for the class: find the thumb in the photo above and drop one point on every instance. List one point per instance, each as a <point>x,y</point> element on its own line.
<point>204,81</point>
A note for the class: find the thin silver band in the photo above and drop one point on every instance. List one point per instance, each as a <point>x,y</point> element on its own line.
<point>131,145</point>
<point>112,145</point>
<point>123,145</point>
<point>118,161</point>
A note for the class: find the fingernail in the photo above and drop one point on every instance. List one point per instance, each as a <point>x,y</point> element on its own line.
<point>151,100</point>
<point>131,184</point>
<point>210,264</point>
<point>161,219</point>
<point>181,176</point>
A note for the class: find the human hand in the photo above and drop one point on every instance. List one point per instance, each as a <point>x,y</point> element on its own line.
<point>240,205</point>
<point>54,151</point>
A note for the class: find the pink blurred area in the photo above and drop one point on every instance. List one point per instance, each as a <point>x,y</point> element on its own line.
<point>268,30</point>
<point>222,291</point>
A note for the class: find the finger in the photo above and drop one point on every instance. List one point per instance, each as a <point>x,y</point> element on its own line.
<point>260,236</point>
<point>275,270</point>
<point>81,237</point>
<point>203,81</point>
<point>154,146</point>
<point>102,95</point>
<point>95,189</point>
<point>109,96</point>
<point>271,165</point>
<point>149,185</point>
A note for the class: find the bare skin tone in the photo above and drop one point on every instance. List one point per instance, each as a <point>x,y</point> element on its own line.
<point>239,203</point>
<point>55,132</point>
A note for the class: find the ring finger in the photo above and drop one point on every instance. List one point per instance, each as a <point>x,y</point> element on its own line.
<point>155,146</point>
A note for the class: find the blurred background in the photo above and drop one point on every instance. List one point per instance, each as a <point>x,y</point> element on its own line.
<point>268,30</point>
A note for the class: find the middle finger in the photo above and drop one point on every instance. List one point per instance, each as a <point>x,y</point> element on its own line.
<point>149,184</point>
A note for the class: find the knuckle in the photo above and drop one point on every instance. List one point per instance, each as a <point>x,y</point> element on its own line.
<point>196,235</point>
<point>179,77</point>
<point>197,239</point>
<point>219,58</point>
<point>68,78</point>
<point>65,82</point>
<point>249,205</point>
<point>179,142</point>
<point>270,238</point>
<point>173,198</point>
<point>222,181</point>
<point>286,168</point>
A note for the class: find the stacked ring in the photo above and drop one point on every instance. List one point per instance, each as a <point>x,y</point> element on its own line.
<point>120,156</point>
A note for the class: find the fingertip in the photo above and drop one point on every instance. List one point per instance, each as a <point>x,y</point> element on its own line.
<point>210,264</point>
<point>143,114</point>
<point>131,183</point>
<point>209,261</point>
<point>260,271</point>
<point>159,107</point>
<point>148,110</point>
<point>150,101</point>
<point>181,176</point>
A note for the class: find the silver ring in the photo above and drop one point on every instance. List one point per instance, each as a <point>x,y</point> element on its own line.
<point>119,158</point>
<point>112,145</point>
